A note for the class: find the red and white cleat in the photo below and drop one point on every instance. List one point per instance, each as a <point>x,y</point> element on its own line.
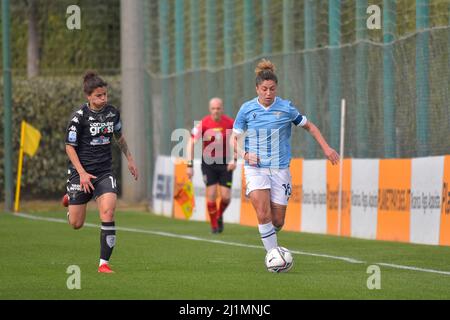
<point>104,268</point>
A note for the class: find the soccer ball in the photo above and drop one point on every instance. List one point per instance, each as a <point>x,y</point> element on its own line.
<point>279,259</point>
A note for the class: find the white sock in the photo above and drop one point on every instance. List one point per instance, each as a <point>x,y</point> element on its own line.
<point>268,236</point>
<point>103,262</point>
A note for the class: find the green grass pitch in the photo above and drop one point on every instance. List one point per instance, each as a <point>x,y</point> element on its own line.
<point>162,258</point>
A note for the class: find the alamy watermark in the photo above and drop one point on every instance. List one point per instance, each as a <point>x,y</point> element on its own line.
<point>73,21</point>
<point>374,280</point>
<point>374,20</point>
<point>219,147</point>
<point>74,280</point>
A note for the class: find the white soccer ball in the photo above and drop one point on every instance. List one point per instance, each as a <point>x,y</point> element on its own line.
<point>279,259</point>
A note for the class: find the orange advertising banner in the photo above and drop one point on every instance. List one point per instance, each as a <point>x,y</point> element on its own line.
<point>394,200</point>
<point>444,233</point>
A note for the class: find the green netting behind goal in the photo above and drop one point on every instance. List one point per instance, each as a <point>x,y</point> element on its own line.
<point>395,80</point>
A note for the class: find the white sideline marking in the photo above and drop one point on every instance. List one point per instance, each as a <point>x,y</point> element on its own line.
<point>236,244</point>
<point>447,273</point>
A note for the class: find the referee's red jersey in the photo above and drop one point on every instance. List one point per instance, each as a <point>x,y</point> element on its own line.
<point>215,136</point>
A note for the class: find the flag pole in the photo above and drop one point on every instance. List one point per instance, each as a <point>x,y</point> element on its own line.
<point>341,164</point>
<point>19,166</point>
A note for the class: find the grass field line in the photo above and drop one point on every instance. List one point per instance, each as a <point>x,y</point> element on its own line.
<point>194,238</point>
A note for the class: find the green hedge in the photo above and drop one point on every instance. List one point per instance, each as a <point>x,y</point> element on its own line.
<point>46,103</point>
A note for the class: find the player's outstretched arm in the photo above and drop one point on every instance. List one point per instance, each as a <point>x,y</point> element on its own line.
<point>124,147</point>
<point>329,152</point>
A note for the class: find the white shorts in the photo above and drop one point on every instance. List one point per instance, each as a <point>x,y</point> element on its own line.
<point>277,180</point>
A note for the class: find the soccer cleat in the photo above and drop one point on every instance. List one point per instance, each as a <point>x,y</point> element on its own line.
<point>214,230</point>
<point>65,200</point>
<point>220,224</point>
<point>104,268</point>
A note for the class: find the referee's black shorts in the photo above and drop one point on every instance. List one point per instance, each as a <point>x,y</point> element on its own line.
<point>217,174</point>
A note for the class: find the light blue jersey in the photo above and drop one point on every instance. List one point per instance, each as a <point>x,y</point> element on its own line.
<point>268,130</point>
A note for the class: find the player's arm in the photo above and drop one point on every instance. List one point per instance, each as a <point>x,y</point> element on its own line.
<point>238,138</point>
<point>299,120</point>
<point>190,150</point>
<point>190,157</point>
<point>237,143</point>
<point>73,134</point>
<point>122,143</point>
<point>329,152</point>
<point>232,142</point>
<point>195,135</point>
<point>85,178</point>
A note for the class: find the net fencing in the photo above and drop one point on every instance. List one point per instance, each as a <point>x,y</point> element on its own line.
<point>396,91</point>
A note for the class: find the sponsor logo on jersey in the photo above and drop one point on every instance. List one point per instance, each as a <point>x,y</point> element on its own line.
<point>101,128</point>
<point>254,115</point>
<point>75,187</point>
<point>72,136</point>
<point>75,119</point>
<point>99,141</point>
<point>110,115</point>
<point>73,128</point>
<point>91,119</point>
<point>80,112</point>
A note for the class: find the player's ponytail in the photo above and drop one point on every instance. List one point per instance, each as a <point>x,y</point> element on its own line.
<point>92,81</point>
<point>265,70</point>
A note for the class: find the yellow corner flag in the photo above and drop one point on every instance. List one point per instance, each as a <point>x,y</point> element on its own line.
<point>29,143</point>
<point>30,139</point>
<point>185,198</point>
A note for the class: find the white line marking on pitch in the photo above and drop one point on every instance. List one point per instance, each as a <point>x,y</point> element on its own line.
<point>236,244</point>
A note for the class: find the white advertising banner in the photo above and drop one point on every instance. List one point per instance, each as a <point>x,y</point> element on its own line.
<point>426,192</point>
<point>163,180</point>
<point>314,195</point>
<point>364,206</point>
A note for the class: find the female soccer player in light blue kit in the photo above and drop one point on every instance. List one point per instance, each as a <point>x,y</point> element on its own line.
<point>266,122</point>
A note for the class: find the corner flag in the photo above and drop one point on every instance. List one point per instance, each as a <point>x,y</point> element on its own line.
<point>30,139</point>
<point>29,143</point>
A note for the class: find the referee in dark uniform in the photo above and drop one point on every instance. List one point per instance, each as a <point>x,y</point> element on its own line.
<point>214,130</point>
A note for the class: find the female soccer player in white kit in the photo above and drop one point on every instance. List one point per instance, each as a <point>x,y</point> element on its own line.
<point>266,121</point>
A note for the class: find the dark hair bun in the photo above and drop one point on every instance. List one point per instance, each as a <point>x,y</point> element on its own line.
<point>89,75</point>
<point>264,65</point>
<point>92,81</point>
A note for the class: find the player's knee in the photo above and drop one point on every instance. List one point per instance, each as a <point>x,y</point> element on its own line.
<point>225,200</point>
<point>278,226</point>
<point>108,214</point>
<point>77,224</point>
<point>264,213</point>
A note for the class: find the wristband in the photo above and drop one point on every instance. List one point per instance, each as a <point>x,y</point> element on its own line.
<point>190,163</point>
